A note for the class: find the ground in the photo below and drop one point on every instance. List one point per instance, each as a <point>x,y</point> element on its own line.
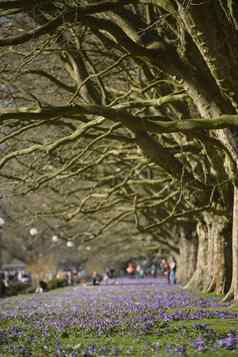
<point>123,317</point>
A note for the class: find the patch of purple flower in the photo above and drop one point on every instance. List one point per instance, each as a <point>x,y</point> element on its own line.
<point>199,344</point>
<point>127,307</point>
<point>181,350</point>
<point>228,342</point>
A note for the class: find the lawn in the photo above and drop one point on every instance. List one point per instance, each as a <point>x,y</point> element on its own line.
<point>125,317</point>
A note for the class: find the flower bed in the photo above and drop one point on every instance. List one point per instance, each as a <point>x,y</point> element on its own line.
<point>125,317</point>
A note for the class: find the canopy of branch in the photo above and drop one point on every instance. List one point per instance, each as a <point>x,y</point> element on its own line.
<point>118,109</point>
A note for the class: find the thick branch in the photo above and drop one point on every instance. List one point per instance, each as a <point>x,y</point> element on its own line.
<point>132,122</point>
<point>151,148</point>
<point>158,102</point>
<point>65,16</point>
<point>20,4</point>
<point>51,78</point>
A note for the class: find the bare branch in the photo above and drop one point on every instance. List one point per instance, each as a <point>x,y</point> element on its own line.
<point>140,124</point>
<point>49,147</point>
<point>69,15</point>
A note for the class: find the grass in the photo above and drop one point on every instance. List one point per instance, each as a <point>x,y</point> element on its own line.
<point>154,343</point>
<point>21,336</point>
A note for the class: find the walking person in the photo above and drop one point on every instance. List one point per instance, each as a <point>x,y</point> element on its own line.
<point>153,270</point>
<point>131,269</point>
<point>166,269</point>
<point>173,268</point>
<point>95,280</point>
<point>2,285</point>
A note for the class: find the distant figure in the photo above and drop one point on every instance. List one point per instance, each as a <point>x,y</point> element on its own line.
<point>173,268</point>
<point>111,273</point>
<point>94,278</point>
<point>166,269</point>
<point>105,277</point>
<point>140,271</point>
<point>153,270</point>
<point>2,286</point>
<point>69,278</point>
<point>42,287</point>
<point>131,269</point>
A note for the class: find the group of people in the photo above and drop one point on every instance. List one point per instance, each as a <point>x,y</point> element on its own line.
<point>165,267</point>
<point>134,269</point>
<point>169,269</point>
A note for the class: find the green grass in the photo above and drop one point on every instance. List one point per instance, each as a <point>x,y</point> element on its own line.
<point>123,341</point>
<point>174,333</point>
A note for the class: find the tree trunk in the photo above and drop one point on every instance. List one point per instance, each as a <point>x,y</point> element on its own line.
<point>213,271</point>
<point>187,260</point>
<point>219,269</point>
<point>199,277</point>
<point>216,45</point>
<point>233,291</point>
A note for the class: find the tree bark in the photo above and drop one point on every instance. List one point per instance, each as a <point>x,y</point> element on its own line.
<point>213,270</point>
<point>233,291</point>
<point>219,56</point>
<point>187,259</point>
<point>219,268</point>
<point>199,278</point>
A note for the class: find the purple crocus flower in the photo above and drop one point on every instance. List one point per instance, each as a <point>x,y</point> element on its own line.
<point>181,350</point>
<point>199,344</point>
<point>229,342</point>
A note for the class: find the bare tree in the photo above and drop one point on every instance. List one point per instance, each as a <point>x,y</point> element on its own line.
<point>146,88</point>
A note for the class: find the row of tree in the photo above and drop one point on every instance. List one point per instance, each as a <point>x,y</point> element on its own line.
<point>123,111</point>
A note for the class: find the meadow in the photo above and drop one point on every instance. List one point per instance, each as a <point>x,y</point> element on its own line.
<point>123,317</point>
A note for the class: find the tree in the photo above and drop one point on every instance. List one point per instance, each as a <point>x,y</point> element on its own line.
<point>127,75</point>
